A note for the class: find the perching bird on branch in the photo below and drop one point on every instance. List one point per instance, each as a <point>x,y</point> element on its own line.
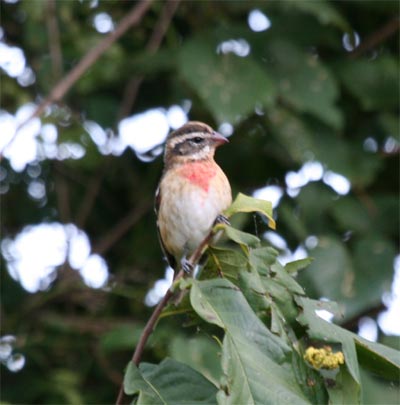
<point>192,193</point>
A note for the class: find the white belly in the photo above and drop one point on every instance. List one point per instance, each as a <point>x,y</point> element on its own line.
<point>187,213</point>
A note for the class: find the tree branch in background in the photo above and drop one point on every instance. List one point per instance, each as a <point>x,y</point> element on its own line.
<point>120,229</point>
<point>92,191</point>
<point>152,46</point>
<point>149,327</point>
<point>377,37</point>
<point>62,191</point>
<point>53,35</point>
<point>62,87</point>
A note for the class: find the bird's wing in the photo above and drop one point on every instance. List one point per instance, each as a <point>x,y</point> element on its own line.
<point>170,258</point>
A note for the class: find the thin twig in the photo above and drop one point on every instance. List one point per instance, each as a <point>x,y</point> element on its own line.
<point>152,46</point>
<point>148,329</point>
<point>377,37</point>
<point>53,34</point>
<point>62,87</point>
<point>92,191</point>
<point>62,191</point>
<point>121,228</point>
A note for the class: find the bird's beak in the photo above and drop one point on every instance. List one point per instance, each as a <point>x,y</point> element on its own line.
<point>218,139</point>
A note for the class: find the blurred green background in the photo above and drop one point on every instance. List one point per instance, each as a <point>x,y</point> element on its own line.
<point>308,92</point>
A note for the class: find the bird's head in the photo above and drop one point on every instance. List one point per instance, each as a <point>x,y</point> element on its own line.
<point>194,141</point>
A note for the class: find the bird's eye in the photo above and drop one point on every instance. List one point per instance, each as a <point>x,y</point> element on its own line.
<point>198,139</point>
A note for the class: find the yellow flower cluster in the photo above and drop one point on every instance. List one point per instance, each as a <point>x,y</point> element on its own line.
<point>323,358</point>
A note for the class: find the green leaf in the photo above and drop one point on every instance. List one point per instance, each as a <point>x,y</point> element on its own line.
<point>227,261</point>
<point>371,82</point>
<point>376,391</point>
<point>245,203</point>
<point>292,133</point>
<point>351,214</point>
<point>252,287</point>
<point>240,237</point>
<point>230,86</point>
<point>325,12</point>
<point>344,389</point>
<point>170,382</point>
<point>296,265</point>
<point>304,82</point>
<point>251,355</point>
<point>328,332</point>
<point>380,359</point>
<point>202,353</point>
<point>119,338</point>
<point>331,273</point>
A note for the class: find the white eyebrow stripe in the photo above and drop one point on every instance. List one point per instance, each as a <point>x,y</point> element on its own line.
<point>182,138</point>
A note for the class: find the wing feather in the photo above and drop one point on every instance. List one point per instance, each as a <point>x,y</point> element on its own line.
<point>170,258</point>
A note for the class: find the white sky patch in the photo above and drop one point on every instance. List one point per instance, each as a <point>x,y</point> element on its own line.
<point>275,239</point>
<point>389,321</point>
<point>368,329</point>
<point>16,362</point>
<point>258,21</point>
<point>12,60</point>
<point>391,145</point>
<point>370,145</point>
<point>49,133</point>
<point>96,132</point>
<point>142,132</point>
<point>311,242</point>
<point>34,254</point>
<point>288,256</point>
<point>176,116</point>
<point>103,23</point>
<point>37,189</point>
<point>38,250</point>
<point>27,77</point>
<point>79,247</point>
<point>295,180</point>
<point>272,194</point>
<point>239,47</point>
<point>23,148</point>
<point>338,182</point>
<point>95,271</point>
<point>350,41</point>
<point>159,289</point>
<point>324,314</point>
<point>312,171</point>
<point>225,129</point>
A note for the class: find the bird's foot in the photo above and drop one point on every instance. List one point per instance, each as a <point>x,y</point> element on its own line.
<point>186,266</point>
<point>221,219</point>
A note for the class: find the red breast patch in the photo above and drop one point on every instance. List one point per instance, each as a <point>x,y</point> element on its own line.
<point>198,173</point>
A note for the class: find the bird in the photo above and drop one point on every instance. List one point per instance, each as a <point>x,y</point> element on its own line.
<point>192,193</point>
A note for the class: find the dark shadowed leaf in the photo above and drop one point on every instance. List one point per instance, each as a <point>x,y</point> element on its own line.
<point>170,382</point>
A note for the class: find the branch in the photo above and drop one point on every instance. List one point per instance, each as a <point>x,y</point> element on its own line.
<point>62,87</point>
<point>92,191</point>
<point>62,191</point>
<point>377,37</point>
<point>152,46</point>
<point>148,329</point>
<point>121,228</point>
<point>53,34</point>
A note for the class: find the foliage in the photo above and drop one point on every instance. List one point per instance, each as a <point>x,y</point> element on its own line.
<point>269,329</point>
<point>318,87</point>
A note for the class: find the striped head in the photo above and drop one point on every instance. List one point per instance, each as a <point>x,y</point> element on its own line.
<point>194,141</point>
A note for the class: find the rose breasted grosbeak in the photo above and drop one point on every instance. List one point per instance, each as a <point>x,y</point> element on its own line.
<point>192,193</point>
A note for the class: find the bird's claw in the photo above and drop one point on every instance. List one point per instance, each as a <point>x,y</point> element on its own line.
<point>187,267</point>
<point>221,219</point>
